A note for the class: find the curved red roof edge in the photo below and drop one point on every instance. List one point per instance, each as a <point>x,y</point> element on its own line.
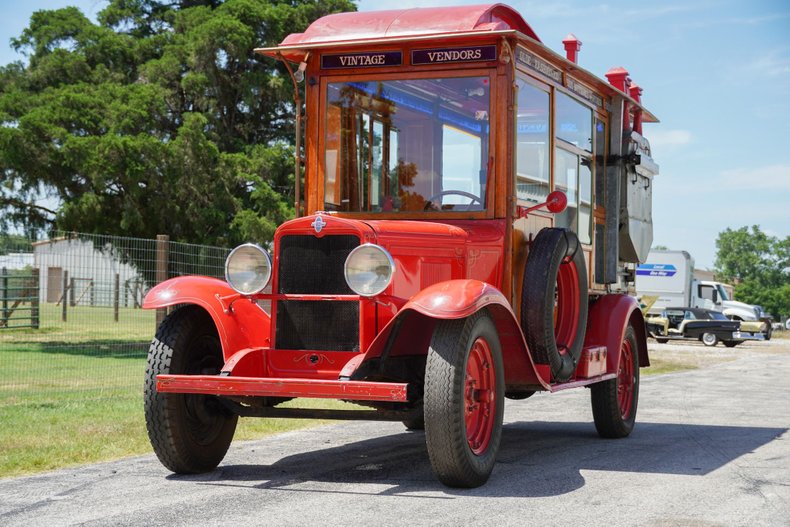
<point>409,22</point>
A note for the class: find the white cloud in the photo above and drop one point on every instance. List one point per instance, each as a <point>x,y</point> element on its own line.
<point>775,63</point>
<point>771,177</point>
<point>668,138</point>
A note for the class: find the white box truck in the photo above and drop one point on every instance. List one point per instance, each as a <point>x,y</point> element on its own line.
<point>669,275</point>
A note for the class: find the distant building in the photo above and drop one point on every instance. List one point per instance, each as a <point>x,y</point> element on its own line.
<point>89,273</point>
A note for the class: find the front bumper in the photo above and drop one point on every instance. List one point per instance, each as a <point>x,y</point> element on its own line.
<point>276,387</point>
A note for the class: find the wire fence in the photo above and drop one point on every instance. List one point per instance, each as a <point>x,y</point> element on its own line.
<point>71,317</point>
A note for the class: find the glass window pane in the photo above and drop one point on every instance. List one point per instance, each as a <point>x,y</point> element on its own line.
<point>532,143</point>
<point>461,166</point>
<point>585,201</point>
<point>573,122</point>
<point>566,175</point>
<point>407,145</point>
<point>599,154</point>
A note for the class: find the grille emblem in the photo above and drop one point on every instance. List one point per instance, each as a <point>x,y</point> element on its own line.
<point>318,224</point>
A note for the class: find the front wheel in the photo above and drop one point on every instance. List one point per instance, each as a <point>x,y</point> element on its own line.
<point>709,339</point>
<point>464,400</point>
<point>732,343</point>
<point>614,401</point>
<point>190,433</point>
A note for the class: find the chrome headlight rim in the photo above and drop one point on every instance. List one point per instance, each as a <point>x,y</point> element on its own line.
<point>267,259</point>
<point>390,261</point>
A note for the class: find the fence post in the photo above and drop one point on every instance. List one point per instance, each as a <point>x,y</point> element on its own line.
<point>34,311</point>
<point>64,299</point>
<point>162,257</point>
<point>5,295</point>
<point>72,283</point>
<point>116,295</point>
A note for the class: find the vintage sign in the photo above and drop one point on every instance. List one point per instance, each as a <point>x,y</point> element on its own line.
<point>453,55</point>
<point>361,60</point>
<point>584,92</point>
<point>535,63</point>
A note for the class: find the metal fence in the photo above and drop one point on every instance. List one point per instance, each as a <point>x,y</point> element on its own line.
<point>70,310</point>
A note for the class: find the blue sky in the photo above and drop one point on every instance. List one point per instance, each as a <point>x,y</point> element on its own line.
<point>717,74</point>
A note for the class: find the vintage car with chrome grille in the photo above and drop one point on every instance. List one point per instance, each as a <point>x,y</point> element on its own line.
<point>474,207</point>
<point>695,323</point>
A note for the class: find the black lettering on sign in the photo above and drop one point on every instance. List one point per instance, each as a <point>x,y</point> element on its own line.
<point>450,55</point>
<point>361,60</point>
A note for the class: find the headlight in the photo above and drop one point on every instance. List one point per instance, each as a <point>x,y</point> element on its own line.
<point>248,269</point>
<point>369,269</point>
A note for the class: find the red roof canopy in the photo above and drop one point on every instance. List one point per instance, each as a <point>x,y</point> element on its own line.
<point>410,22</point>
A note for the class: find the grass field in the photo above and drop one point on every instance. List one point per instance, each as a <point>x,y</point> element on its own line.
<point>71,393</point>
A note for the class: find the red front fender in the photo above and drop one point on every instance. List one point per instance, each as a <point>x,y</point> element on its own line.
<point>245,325</point>
<point>409,333</point>
<point>606,323</point>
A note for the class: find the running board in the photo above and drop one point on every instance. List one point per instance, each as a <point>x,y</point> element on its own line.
<point>274,387</point>
<point>581,382</point>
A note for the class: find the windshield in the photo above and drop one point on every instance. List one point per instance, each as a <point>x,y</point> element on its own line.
<point>722,292</point>
<point>407,145</point>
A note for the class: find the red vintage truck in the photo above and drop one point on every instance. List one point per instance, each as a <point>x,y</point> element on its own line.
<point>474,207</point>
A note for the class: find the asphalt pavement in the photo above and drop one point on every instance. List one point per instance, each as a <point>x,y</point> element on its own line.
<point>711,447</point>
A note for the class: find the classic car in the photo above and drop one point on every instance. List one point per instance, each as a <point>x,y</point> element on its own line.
<point>693,323</point>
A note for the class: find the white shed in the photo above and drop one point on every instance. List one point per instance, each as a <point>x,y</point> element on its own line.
<point>88,270</point>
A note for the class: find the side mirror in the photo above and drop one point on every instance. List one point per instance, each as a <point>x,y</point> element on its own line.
<point>556,201</point>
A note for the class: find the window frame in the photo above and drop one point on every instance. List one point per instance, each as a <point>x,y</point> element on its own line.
<point>489,200</point>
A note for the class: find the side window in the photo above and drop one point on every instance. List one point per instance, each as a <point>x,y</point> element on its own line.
<point>532,143</point>
<point>706,292</point>
<point>573,170</point>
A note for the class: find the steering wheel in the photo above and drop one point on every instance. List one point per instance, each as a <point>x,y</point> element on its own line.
<point>429,201</point>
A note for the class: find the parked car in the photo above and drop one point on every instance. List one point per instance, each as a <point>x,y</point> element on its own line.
<point>694,323</point>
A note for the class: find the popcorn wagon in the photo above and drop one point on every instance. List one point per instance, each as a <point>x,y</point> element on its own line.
<point>473,208</point>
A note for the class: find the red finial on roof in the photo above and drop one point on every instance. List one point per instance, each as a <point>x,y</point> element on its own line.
<point>618,77</point>
<point>572,47</point>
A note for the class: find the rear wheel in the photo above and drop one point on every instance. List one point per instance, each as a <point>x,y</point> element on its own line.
<point>614,401</point>
<point>464,400</point>
<point>190,433</point>
<point>709,339</point>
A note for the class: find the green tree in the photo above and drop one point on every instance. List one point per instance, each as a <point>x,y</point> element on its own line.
<point>157,119</point>
<point>758,265</point>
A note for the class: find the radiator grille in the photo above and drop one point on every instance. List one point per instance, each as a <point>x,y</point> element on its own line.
<point>310,265</point>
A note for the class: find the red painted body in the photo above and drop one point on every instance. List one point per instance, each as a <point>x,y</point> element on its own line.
<point>444,268</point>
<point>247,325</point>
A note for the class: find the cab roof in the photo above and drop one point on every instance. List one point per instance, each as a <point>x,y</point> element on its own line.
<point>356,28</point>
<point>410,22</point>
<point>401,24</point>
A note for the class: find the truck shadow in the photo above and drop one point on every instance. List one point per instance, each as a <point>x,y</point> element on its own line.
<point>536,459</point>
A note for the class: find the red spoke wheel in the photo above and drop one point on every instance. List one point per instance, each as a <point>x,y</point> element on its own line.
<point>554,301</point>
<point>614,401</point>
<point>190,433</point>
<point>464,400</point>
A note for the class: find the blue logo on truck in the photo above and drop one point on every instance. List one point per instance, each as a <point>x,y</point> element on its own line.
<point>656,270</point>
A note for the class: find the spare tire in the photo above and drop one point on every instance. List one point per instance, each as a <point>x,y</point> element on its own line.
<point>554,301</point>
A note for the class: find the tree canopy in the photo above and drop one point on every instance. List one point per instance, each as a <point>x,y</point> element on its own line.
<point>758,265</point>
<point>157,119</point>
